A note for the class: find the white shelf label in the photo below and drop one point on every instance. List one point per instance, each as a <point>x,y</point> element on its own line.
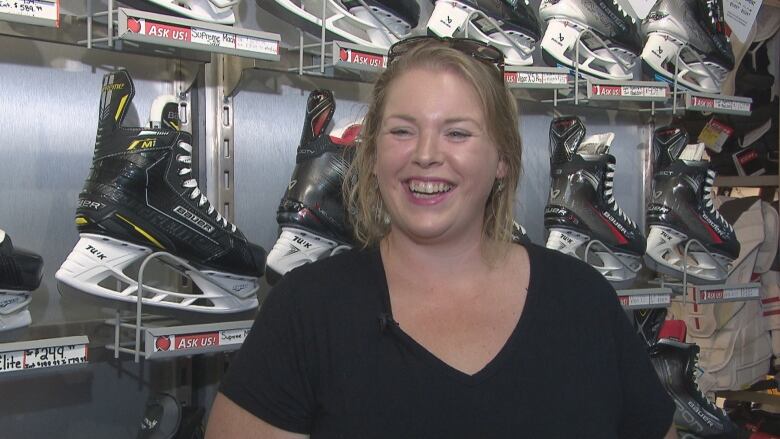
<point>42,357</point>
<point>200,36</point>
<point>726,294</point>
<point>646,300</point>
<point>359,58</point>
<point>719,104</point>
<point>42,9</point>
<point>536,78</point>
<point>198,341</point>
<point>629,91</point>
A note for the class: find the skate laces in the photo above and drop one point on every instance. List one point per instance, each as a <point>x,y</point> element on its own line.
<point>708,202</point>
<point>186,159</point>
<point>608,184</point>
<point>711,405</point>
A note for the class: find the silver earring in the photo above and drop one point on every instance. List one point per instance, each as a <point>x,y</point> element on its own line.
<point>500,185</point>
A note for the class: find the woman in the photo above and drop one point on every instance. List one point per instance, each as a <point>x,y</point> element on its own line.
<point>440,326</point>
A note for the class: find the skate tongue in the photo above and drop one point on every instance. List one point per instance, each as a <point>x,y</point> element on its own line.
<point>115,98</point>
<point>597,144</point>
<point>693,152</point>
<point>165,113</point>
<point>565,135</point>
<point>319,112</point>
<point>668,143</point>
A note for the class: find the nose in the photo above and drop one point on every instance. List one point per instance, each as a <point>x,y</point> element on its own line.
<point>427,151</point>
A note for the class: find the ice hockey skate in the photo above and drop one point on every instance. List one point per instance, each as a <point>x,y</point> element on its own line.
<point>682,217</point>
<point>311,214</point>
<point>516,19</point>
<point>582,215</point>
<point>596,37</point>
<point>212,11</point>
<point>372,23</point>
<point>685,42</point>
<point>141,197</point>
<point>20,274</point>
<point>696,417</point>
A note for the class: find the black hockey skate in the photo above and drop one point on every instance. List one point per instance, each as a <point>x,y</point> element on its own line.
<point>20,273</point>
<point>696,417</point>
<point>582,216</point>
<point>516,18</point>
<point>682,215</point>
<point>696,30</point>
<point>141,197</point>
<point>380,25</point>
<point>311,214</point>
<point>597,37</point>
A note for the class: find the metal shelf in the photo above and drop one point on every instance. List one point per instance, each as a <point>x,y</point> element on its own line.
<point>46,353</point>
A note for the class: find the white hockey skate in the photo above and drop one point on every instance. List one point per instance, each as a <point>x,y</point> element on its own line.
<point>516,19</point>
<point>372,23</point>
<point>20,273</point>
<point>213,11</point>
<point>683,46</point>
<point>595,37</point>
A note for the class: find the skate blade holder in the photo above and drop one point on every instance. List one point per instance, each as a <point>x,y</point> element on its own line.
<point>599,244</point>
<point>577,44</point>
<point>675,88</point>
<point>162,341</point>
<point>511,43</point>
<point>710,293</point>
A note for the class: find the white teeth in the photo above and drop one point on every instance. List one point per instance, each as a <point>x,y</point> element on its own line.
<point>427,187</point>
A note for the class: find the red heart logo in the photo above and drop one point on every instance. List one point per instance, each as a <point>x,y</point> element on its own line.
<point>162,343</point>
<point>133,25</point>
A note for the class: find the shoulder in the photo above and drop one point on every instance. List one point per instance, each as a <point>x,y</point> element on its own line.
<point>329,281</point>
<point>571,282</point>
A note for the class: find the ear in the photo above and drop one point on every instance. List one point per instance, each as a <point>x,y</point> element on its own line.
<point>501,170</point>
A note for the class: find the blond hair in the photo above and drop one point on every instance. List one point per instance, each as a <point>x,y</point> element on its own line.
<point>365,207</point>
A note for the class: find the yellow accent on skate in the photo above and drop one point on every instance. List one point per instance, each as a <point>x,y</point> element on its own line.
<point>141,231</point>
<point>80,221</point>
<point>122,103</point>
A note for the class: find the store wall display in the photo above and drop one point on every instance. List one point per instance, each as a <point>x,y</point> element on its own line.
<point>594,36</point>
<point>20,274</point>
<point>687,233</point>
<point>141,197</point>
<point>517,20</point>
<point>311,215</point>
<point>582,216</point>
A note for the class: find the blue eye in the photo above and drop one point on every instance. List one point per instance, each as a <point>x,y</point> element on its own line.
<point>459,134</point>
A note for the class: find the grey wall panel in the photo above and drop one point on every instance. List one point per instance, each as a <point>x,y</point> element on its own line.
<point>50,95</point>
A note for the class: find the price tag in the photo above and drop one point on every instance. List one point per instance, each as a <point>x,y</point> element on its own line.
<point>646,301</point>
<point>232,336</point>
<point>630,91</point>
<point>446,19</point>
<point>715,134</point>
<point>718,105</point>
<point>43,356</point>
<point>213,38</point>
<point>35,9</point>
<point>536,78</point>
<point>727,293</point>
<point>258,45</point>
<point>196,341</point>
<point>740,16</point>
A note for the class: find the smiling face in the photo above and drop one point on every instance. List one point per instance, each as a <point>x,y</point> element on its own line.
<point>435,161</point>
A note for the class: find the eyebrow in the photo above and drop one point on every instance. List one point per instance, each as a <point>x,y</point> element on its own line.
<point>446,121</point>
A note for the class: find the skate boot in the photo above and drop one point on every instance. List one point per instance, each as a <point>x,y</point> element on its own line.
<point>519,235</point>
<point>682,214</point>
<point>695,417</point>
<point>311,214</point>
<point>582,216</point>
<point>141,197</point>
<point>696,24</point>
<point>20,273</point>
<point>516,19</point>
<point>380,25</point>
<point>596,35</point>
<point>212,11</point>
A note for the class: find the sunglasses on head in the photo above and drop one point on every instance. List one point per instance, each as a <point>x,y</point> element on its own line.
<point>478,50</point>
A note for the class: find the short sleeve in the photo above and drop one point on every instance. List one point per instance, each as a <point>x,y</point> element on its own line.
<point>269,376</point>
<point>647,410</point>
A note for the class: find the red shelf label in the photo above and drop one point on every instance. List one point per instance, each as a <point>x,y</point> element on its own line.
<point>353,56</point>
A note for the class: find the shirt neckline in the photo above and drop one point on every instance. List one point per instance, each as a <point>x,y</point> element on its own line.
<point>506,351</point>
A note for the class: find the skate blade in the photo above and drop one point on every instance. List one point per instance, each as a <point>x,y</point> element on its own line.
<point>106,267</point>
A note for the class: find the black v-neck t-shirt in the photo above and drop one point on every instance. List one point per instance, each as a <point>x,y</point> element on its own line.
<point>325,358</point>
